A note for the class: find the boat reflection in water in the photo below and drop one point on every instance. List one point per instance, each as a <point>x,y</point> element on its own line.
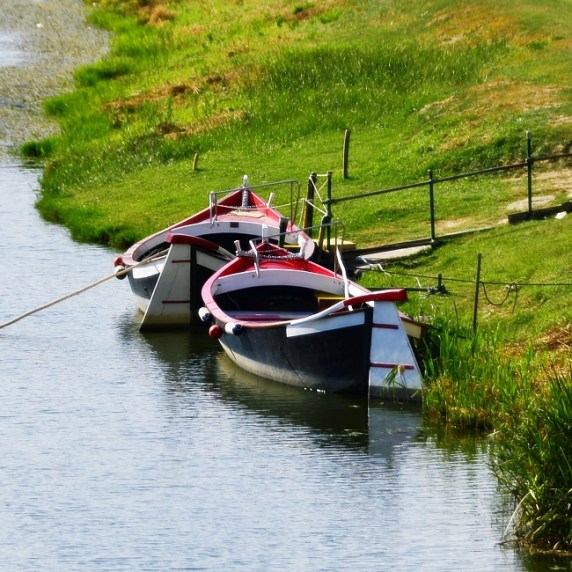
<point>192,363</point>
<point>370,426</point>
<point>333,419</point>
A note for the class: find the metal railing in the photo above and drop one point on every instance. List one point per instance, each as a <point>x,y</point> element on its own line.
<point>295,190</point>
<point>430,183</point>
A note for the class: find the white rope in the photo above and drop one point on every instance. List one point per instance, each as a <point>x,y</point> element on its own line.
<point>322,210</point>
<point>80,291</point>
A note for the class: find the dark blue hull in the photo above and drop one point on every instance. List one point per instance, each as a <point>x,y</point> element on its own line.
<point>334,360</point>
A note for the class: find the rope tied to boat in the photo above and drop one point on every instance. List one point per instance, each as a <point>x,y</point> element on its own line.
<point>116,274</point>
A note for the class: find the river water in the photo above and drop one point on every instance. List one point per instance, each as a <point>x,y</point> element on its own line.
<point>124,451</point>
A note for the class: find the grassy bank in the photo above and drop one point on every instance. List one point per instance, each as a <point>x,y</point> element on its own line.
<point>195,94</point>
<point>269,90</point>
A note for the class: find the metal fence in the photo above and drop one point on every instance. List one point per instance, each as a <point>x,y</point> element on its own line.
<point>430,185</point>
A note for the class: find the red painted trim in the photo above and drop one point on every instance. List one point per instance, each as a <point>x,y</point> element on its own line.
<point>390,365</point>
<point>230,202</point>
<point>394,295</point>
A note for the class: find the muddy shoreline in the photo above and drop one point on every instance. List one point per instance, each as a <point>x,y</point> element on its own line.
<point>41,43</point>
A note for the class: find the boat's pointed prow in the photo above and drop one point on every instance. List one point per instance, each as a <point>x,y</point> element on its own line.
<point>169,302</point>
<point>393,368</point>
<point>189,262</point>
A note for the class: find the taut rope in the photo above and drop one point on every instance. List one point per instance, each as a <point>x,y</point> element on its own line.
<point>81,290</point>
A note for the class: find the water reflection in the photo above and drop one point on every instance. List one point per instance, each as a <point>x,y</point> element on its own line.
<point>333,420</point>
<point>192,361</point>
<point>413,470</point>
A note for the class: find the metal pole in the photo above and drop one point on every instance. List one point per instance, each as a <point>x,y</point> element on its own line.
<point>329,209</point>
<point>432,204</point>
<point>529,162</point>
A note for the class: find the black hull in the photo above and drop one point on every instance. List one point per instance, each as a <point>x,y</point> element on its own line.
<point>143,287</point>
<point>333,361</point>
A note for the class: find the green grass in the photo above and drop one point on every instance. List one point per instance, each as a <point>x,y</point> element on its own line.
<point>275,87</point>
<point>269,88</point>
<point>534,257</point>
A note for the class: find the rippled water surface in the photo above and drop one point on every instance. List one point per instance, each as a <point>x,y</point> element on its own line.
<point>10,52</point>
<point>123,451</point>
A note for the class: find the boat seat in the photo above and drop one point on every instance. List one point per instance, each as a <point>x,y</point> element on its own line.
<point>326,300</point>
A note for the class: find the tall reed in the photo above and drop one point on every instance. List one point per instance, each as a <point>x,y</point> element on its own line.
<point>472,378</point>
<point>475,383</point>
<point>532,454</point>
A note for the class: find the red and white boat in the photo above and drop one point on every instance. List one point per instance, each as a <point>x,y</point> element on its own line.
<point>167,270</point>
<point>283,317</point>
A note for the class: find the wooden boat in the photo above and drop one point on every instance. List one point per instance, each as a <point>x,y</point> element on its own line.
<point>283,317</point>
<point>167,269</point>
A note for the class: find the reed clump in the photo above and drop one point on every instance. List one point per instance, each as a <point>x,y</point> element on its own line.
<point>532,454</point>
<point>472,382</point>
<point>524,402</point>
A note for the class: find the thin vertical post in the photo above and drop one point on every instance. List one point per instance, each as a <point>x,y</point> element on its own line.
<point>529,163</point>
<point>329,209</point>
<point>346,152</point>
<point>432,204</point>
<point>309,207</point>
<point>477,288</point>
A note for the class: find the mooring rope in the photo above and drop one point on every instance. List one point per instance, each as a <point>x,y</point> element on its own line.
<point>125,270</point>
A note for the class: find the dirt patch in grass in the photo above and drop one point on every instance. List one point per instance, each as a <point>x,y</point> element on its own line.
<point>515,97</point>
<point>558,338</point>
<point>560,180</point>
<point>548,185</point>
<point>465,24</point>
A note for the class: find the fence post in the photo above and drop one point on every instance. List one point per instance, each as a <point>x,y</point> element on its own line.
<point>309,206</point>
<point>529,162</point>
<point>346,152</point>
<point>432,204</point>
<point>477,287</point>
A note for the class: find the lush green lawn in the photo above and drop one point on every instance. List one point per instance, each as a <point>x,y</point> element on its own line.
<point>268,89</point>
